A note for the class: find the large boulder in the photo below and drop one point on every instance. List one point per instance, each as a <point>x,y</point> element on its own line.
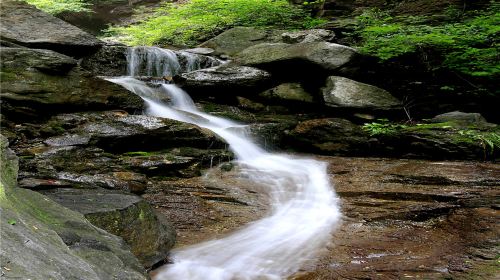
<point>341,92</point>
<point>237,39</point>
<point>44,240</point>
<point>302,59</point>
<point>124,215</point>
<point>25,25</point>
<point>41,82</point>
<point>224,79</point>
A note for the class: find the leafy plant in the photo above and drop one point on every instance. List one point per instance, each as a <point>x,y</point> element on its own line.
<point>470,45</point>
<point>198,20</point>
<point>489,140</point>
<point>382,127</point>
<point>59,6</point>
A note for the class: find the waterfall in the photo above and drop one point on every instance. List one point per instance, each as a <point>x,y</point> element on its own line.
<point>304,207</point>
<point>158,62</point>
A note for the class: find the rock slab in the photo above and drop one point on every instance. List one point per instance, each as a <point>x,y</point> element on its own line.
<point>25,25</point>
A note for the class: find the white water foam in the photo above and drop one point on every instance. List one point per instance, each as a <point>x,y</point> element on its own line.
<point>304,207</point>
<point>158,62</point>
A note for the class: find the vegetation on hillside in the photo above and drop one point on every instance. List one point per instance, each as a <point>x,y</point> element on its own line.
<point>59,6</point>
<point>469,43</point>
<point>198,20</point>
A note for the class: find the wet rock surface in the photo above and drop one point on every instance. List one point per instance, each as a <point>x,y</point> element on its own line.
<point>402,218</point>
<point>25,25</point>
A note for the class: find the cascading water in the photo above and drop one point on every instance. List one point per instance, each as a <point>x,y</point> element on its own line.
<point>158,62</point>
<point>304,206</point>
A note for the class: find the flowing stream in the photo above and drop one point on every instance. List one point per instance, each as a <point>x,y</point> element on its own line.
<point>304,207</point>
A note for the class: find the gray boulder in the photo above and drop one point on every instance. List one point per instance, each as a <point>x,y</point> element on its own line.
<point>346,93</point>
<point>460,117</point>
<point>124,215</point>
<point>25,25</point>
<point>224,78</point>
<point>308,36</point>
<point>42,82</point>
<point>44,240</point>
<point>290,58</point>
<point>237,39</point>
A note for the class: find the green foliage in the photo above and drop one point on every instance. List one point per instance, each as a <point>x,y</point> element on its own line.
<point>470,45</point>
<point>58,6</point>
<point>198,20</point>
<point>11,222</point>
<point>489,140</point>
<point>382,127</point>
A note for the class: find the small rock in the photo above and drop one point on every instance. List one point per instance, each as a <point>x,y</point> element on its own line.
<point>226,167</point>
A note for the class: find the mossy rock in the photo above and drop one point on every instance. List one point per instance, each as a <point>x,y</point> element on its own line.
<point>44,240</point>
<point>125,215</point>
